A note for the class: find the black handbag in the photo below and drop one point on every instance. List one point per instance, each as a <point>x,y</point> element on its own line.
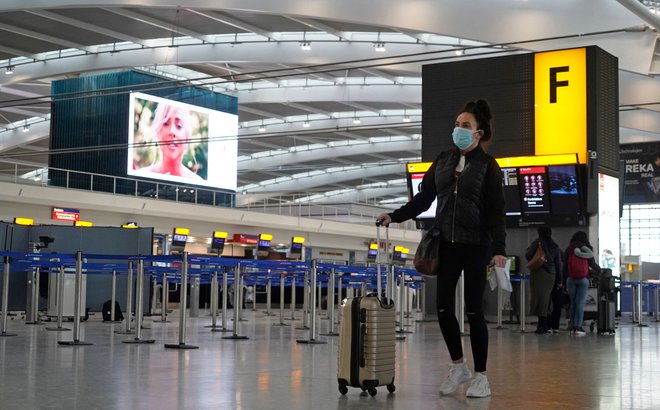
<point>427,256</point>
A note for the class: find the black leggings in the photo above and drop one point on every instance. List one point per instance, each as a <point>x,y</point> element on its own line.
<point>472,260</point>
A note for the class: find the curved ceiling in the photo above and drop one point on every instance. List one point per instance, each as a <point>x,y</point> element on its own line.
<point>298,140</point>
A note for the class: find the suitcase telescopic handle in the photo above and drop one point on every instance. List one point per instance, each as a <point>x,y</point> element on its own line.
<point>363,335</point>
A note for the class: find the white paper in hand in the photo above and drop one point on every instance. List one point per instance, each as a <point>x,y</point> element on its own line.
<point>492,278</point>
<point>502,275</point>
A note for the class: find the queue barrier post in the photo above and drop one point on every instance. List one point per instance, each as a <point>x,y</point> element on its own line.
<point>5,297</point>
<point>59,291</point>
<point>76,306</point>
<point>238,290</point>
<point>281,301</point>
<point>223,327</point>
<point>183,300</point>
<point>214,301</point>
<point>164,299</point>
<point>129,301</point>
<point>312,303</point>
<point>331,305</point>
<point>402,289</point>
<point>139,295</point>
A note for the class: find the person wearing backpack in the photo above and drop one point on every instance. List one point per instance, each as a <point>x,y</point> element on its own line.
<point>578,259</point>
<point>542,279</point>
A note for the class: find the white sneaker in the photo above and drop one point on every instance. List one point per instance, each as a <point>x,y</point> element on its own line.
<point>479,386</point>
<point>458,374</point>
<point>580,332</point>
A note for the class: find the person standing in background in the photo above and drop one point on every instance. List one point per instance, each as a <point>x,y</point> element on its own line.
<point>467,183</point>
<point>578,260</point>
<point>543,279</point>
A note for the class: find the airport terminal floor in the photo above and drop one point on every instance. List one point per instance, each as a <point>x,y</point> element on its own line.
<point>270,370</point>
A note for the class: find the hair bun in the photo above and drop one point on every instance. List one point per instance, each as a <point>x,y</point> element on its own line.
<point>484,108</point>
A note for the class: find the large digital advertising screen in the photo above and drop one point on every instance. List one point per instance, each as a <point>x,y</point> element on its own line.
<point>415,174</point>
<point>182,143</point>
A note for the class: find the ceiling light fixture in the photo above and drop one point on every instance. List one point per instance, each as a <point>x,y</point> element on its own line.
<point>460,52</point>
<point>26,127</point>
<point>356,120</point>
<point>262,128</point>
<point>406,118</point>
<point>379,47</point>
<point>9,70</point>
<point>305,45</point>
<point>306,124</point>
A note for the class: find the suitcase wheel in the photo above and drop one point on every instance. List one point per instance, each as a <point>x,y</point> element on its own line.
<point>591,327</point>
<point>372,391</point>
<point>391,388</point>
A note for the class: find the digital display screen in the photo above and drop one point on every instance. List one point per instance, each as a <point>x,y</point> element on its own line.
<point>217,243</point>
<point>563,181</point>
<point>533,184</point>
<point>263,245</point>
<point>178,142</point>
<point>511,191</point>
<point>415,180</point>
<point>371,254</point>
<point>296,247</point>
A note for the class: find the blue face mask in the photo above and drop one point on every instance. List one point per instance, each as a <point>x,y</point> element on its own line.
<point>462,137</point>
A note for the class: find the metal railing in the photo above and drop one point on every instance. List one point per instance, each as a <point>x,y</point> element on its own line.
<point>31,174</point>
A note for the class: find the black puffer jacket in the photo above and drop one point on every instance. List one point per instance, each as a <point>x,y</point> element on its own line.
<point>552,254</point>
<point>470,207</point>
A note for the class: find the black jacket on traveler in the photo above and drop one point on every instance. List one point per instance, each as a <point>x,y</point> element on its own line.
<point>470,207</point>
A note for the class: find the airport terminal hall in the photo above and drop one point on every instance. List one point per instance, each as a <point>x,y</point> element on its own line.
<point>290,204</point>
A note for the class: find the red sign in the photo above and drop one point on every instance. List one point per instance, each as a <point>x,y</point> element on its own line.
<point>66,214</point>
<point>246,238</point>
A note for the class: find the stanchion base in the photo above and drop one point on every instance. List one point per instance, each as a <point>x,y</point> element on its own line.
<point>403,331</point>
<point>112,321</point>
<point>8,334</point>
<point>236,337</point>
<point>302,328</point>
<point>281,324</point>
<point>181,346</point>
<point>35,323</point>
<point>139,341</point>
<point>161,321</point>
<point>58,329</point>
<point>125,332</point>
<point>312,342</point>
<point>269,314</point>
<point>500,327</point>
<point>642,325</point>
<point>219,329</point>
<point>400,338</point>
<point>426,321</point>
<point>330,334</point>
<point>211,326</point>
<point>74,343</point>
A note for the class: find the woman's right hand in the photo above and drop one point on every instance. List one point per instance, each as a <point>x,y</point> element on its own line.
<point>383,219</point>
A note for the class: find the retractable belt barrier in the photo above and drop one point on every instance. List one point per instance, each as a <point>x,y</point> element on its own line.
<point>338,280</point>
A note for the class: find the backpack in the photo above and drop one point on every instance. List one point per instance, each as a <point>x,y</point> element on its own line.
<point>107,312</point>
<point>578,268</point>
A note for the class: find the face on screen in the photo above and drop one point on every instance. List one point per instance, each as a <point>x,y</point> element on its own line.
<point>172,127</point>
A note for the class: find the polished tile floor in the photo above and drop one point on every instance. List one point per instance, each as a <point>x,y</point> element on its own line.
<point>271,371</point>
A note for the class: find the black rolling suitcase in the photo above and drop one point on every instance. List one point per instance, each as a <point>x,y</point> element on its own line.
<point>367,348</point>
<point>606,312</point>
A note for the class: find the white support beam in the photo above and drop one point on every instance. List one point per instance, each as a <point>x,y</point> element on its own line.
<point>88,26</point>
<point>165,25</point>
<point>339,150</point>
<point>17,138</point>
<point>320,76</point>
<point>306,182</point>
<point>230,21</point>
<point>45,37</point>
<point>263,113</point>
<point>307,108</point>
<point>361,107</point>
<point>28,113</point>
<point>380,73</point>
<point>321,27</point>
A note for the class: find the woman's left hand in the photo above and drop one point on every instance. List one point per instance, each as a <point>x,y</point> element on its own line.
<point>499,261</point>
